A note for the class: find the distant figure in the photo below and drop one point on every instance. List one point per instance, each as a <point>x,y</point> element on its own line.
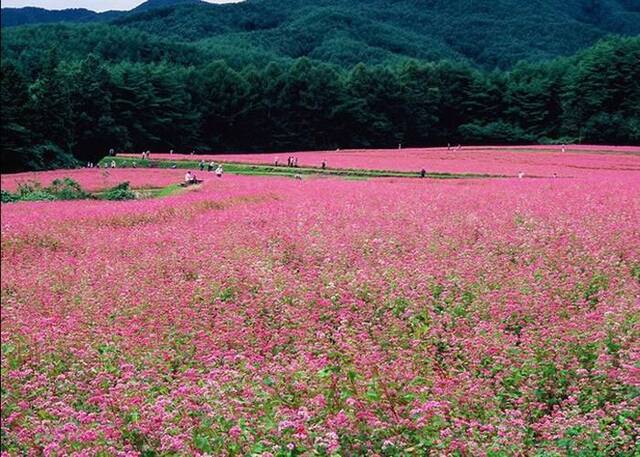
<point>193,152</point>
<point>134,165</point>
<point>520,175</point>
<point>555,175</point>
<point>275,162</point>
<point>448,146</point>
<point>399,145</point>
<point>148,154</point>
<point>423,173</point>
<point>219,171</point>
<point>295,161</point>
<point>112,152</point>
<point>188,177</point>
<point>324,164</point>
<point>113,164</point>
<point>171,151</point>
<point>201,165</point>
<point>210,166</point>
<point>289,161</point>
<point>563,149</point>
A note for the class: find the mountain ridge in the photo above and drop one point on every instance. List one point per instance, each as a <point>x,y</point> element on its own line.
<point>346,32</point>
<point>31,15</point>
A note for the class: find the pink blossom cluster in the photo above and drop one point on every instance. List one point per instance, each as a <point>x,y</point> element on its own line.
<point>542,161</point>
<point>276,317</point>
<point>96,179</point>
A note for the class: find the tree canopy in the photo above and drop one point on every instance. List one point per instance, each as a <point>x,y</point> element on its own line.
<point>70,109</point>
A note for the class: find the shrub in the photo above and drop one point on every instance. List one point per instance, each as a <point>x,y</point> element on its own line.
<point>8,197</point>
<point>37,195</point>
<point>67,189</point>
<point>120,192</point>
<point>60,189</point>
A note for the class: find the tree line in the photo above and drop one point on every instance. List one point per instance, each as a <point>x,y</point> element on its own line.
<point>73,111</point>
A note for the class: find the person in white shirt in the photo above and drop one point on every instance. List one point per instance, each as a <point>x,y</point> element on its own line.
<point>520,175</point>
<point>188,177</point>
<point>219,171</point>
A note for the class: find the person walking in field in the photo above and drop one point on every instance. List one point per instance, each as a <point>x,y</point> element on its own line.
<point>275,162</point>
<point>423,173</point>
<point>219,171</point>
<point>113,164</point>
<point>520,175</point>
<point>324,164</point>
<point>188,177</point>
<point>210,166</point>
<point>201,165</point>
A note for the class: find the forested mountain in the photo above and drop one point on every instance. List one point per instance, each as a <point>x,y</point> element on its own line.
<point>345,32</point>
<point>30,15</point>
<point>313,74</point>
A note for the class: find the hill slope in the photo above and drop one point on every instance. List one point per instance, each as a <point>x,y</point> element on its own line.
<point>346,32</point>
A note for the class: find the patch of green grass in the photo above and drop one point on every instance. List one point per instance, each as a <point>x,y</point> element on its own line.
<point>167,191</point>
<point>267,170</point>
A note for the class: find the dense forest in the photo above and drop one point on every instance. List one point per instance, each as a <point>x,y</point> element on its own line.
<point>264,75</point>
<point>495,34</point>
<point>82,108</point>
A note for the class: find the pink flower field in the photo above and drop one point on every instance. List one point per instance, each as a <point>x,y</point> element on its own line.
<point>577,160</point>
<point>268,316</point>
<point>96,179</point>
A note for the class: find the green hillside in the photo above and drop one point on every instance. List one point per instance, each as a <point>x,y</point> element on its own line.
<point>345,32</point>
<point>267,75</point>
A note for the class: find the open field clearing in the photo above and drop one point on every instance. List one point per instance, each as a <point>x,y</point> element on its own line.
<point>268,316</point>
